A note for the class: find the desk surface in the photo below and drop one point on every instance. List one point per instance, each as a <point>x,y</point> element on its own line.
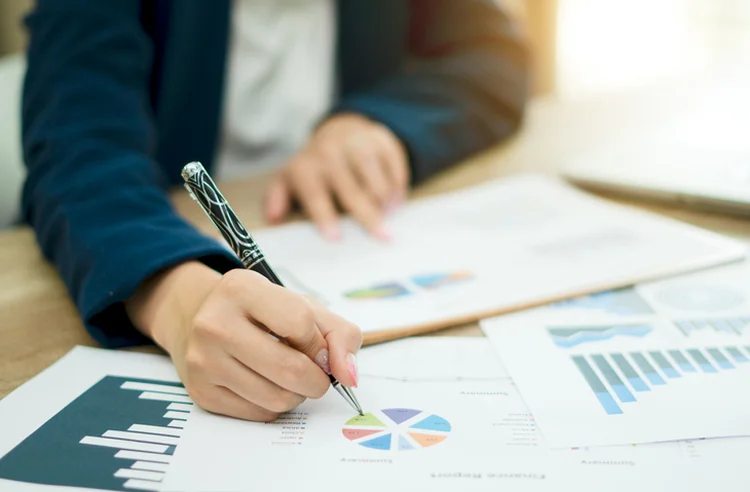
<point>39,323</point>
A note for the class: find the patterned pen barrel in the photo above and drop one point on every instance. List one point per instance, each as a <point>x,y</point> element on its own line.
<point>203,190</point>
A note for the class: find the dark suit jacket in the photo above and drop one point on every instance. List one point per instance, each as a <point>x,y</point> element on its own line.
<point>120,94</point>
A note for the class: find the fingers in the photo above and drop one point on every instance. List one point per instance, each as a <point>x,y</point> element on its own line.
<point>355,200</point>
<point>223,401</point>
<point>351,160</point>
<point>312,192</point>
<point>280,364</point>
<point>288,315</point>
<point>258,390</point>
<point>395,160</point>
<point>344,341</point>
<point>364,158</point>
<point>278,201</point>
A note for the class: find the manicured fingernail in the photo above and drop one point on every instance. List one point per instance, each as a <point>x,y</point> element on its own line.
<point>322,360</point>
<point>351,365</point>
<point>331,232</point>
<point>381,232</point>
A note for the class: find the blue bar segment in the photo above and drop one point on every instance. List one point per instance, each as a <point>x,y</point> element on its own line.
<point>682,361</point>
<point>646,368</point>
<point>738,324</point>
<point>664,365</point>
<point>725,326</point>
<point>736,354</point>
<point>701,360</point>
<point>720,358</point>
<point>685,327</point>
<point>605,399</point>
<point>630,374</point>
<point>611,376</point>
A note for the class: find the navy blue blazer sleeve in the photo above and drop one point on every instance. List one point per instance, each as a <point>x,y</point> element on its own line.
<point>94,196</point>
<point>465,90</point>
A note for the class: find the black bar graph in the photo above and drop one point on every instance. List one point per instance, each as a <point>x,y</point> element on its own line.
<point>114,436</point>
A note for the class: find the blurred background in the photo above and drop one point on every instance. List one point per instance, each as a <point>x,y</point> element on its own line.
<point>583,50</point>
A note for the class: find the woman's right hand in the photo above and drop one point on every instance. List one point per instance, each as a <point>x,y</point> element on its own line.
<point>216,329</point>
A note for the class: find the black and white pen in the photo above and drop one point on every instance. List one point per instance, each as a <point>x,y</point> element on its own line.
<point>204,191</point>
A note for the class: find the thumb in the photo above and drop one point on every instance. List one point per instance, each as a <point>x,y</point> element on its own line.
<point>344,341</point>
<point>278,200</point>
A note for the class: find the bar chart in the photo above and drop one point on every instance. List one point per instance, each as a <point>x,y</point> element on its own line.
<point>418,283</point>
<point>730,326</point>
<point>616,378</point>
<point>697,297</point>
<point>120,434</point>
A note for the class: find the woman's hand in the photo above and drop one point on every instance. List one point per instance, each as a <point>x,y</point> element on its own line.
<point>216,329</point>
<point>349,160</point>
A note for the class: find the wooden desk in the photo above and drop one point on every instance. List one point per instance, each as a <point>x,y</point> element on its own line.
<point>38,322</point>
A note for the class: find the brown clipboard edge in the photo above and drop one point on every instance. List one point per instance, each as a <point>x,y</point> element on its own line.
<point>376,337</point>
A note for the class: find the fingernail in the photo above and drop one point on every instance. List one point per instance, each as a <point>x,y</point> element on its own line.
<point>322,360</point>
<point>351,365</point>
<point>382,232</point>
<point>331,232</point>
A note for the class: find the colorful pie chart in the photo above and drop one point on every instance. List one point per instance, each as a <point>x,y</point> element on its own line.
<point>397,429</point>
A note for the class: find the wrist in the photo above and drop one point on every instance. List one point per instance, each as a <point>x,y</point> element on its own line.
<point>163,306</point>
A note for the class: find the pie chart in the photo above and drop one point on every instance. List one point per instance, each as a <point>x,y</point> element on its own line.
<point>397,429</point>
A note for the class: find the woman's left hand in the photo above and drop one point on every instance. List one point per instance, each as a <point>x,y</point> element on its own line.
<point>350,161</point>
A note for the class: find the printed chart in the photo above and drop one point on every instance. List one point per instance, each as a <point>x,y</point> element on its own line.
<point>700,297</point>
<point>622,302</point>
<point>639,371</point>
<point>422,282</point>
<point>732,326</point>
<point>397,429</point>
<point>591,379</point>
<point>570,337</point>
<point>644,371</point>
<point>118,435</point>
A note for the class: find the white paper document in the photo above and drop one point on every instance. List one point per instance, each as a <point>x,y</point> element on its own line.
<point>480,251</point>
<point>106,420</point>
<point>663,361</point>
<point>96,419</point>
<point>458,433</point>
